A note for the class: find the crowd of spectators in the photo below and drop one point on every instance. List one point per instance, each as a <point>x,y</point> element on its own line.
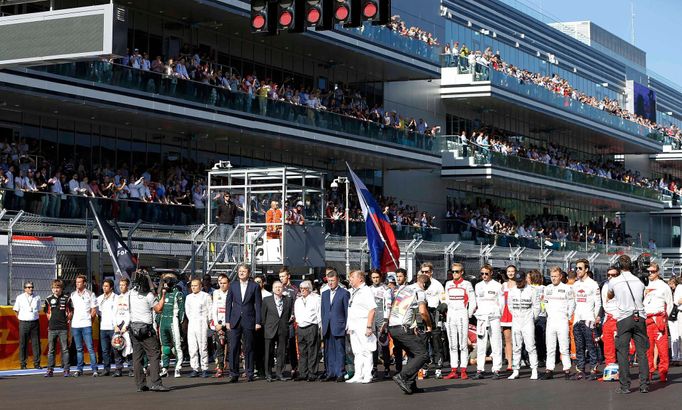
<point>218,85</point>
<point>485,221</point>
<point>555,84</point>
<point>488,140</point>
<point>399,26</point>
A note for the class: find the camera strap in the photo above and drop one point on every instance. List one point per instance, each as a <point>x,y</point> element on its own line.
<point>633,298</point>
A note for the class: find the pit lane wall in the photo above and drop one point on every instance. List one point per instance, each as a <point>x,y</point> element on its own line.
<point>9,342</point>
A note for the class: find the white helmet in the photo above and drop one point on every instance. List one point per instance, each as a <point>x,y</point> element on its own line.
<point>611,373</point>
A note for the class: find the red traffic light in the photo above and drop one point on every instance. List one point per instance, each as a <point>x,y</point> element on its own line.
<point>258,22</point>
<point>313,16</point>
<point>341,13</point>
<point>285,18</point>
<point>369,10</point>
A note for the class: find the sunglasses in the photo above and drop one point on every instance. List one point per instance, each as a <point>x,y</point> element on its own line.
<point>485,274</point>
<point>456,271</point>
<point>652,271</point>
<point>580,268</point>
<point>305,288</point>
<point>28,287</point>
<point>612,276</point>
<point>425,271</point>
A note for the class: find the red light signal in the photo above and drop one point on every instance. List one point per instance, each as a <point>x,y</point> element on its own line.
<point>370,10</point>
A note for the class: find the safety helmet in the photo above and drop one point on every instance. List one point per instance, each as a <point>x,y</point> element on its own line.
<point>611,373</point>
<point>118,342</point>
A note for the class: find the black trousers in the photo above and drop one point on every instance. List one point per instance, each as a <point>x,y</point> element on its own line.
<point>220,349</point>
<point>381,349</point>
<point>236,334</point>
<point>309,349</point>
<point>584,340</point>
<point>276,348</point>
<point>259,351</point>
<point>29,329</point>
<point>627,329</point>
<point>291,348</point>
<point>415,348</point>
<point>150,347</point>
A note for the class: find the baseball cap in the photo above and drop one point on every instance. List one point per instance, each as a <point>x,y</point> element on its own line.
<point>519,276</point>
<point>299,203</point>
<point>391,279</point>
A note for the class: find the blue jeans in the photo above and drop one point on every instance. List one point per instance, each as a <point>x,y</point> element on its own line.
<point>81,334</point>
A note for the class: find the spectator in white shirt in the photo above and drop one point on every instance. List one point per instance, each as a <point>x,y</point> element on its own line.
<point>27,306</point>
<point>307,311</point>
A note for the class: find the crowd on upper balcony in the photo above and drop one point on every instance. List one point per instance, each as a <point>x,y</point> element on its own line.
<point>486,140</point>
<point>486,219</point>
<point>553,83</point>
<point>218,85</point>
<point>399,26</point>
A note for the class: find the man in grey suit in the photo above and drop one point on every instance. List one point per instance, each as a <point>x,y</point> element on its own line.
<point>277,314</point>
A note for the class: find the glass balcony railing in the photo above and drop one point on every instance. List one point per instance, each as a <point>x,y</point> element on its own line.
<point>402,232</point>
<point>101,72</point>
<point>545,96</point>
<point>485,157</point>
<point>387,37</point>
<point>66,206</point>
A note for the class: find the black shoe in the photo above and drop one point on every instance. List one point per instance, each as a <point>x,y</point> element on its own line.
<point>401,383</point>
<point>23,367</point>
<point>567,375</point>
<point>251,379</point>
<point>269,379</point>
<point>49,373</point>
<point>78,373</point>
<point>312,379</point>
<point>340,379</point>
<point>594,375</point>
<point>644,388</point>
<point>159,388</point>
<point>326,379</point>
<point>107,372</point>
<point>143,388</point>
<point>282,378</point>
<point>387,375</point>
<point>233,379</point>
<point>37,366</point>
<point>194,374</point>
<point>478,376</point>
<point>547,375</point>
<point>204,374</point>
<point>117,373</point>
<point>579,375</point>
<point>497,376</point>
<point>621,390</point>
<point>300,379</point>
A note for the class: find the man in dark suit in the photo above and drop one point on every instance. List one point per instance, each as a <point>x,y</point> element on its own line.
<point>334,317</point>
<point>243,315</point>
<point>277,314</point>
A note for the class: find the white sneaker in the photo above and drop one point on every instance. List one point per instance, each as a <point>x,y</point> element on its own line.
<point>534,374</point>
<point>514,375</point>
<point>163,372</point>
<point>177,374</point>
<point>354,380</point>
<point>366,381</point>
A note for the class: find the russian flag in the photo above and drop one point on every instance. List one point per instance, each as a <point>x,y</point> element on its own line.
<point>383,247</point>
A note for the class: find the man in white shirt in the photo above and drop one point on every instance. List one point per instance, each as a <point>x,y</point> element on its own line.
<point>360,326</point>
<point>490,302</point>
<point>199,312</point>
<point>106,306</point>
<point>27,306</point>
<point>121,325</point>
<point>307,311</point>
<point>435,295</point>
<point>56,197</point>
<point>587,306</point>
<point>559,305</point>
<point>220,339</point>
<point>658,303</point>
<point>608,329</point>
<point>628,291</point>
<point>84,310</point>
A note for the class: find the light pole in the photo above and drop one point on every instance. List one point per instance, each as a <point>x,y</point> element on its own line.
<point>335,184</point>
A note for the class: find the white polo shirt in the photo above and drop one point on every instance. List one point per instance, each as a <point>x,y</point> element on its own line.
<point>360,304</point>
<point>27,307</point>
<point>107,311</point>
<point>82,304</point>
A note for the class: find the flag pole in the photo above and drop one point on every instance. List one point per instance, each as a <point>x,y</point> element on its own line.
<point>114,261</point>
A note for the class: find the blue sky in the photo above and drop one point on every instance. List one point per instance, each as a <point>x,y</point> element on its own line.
<point>657,26</point>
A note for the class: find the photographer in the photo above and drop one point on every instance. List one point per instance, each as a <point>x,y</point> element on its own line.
<point>142,303</point>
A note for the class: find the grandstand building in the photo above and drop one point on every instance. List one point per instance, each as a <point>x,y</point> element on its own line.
<point>389,101</point>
